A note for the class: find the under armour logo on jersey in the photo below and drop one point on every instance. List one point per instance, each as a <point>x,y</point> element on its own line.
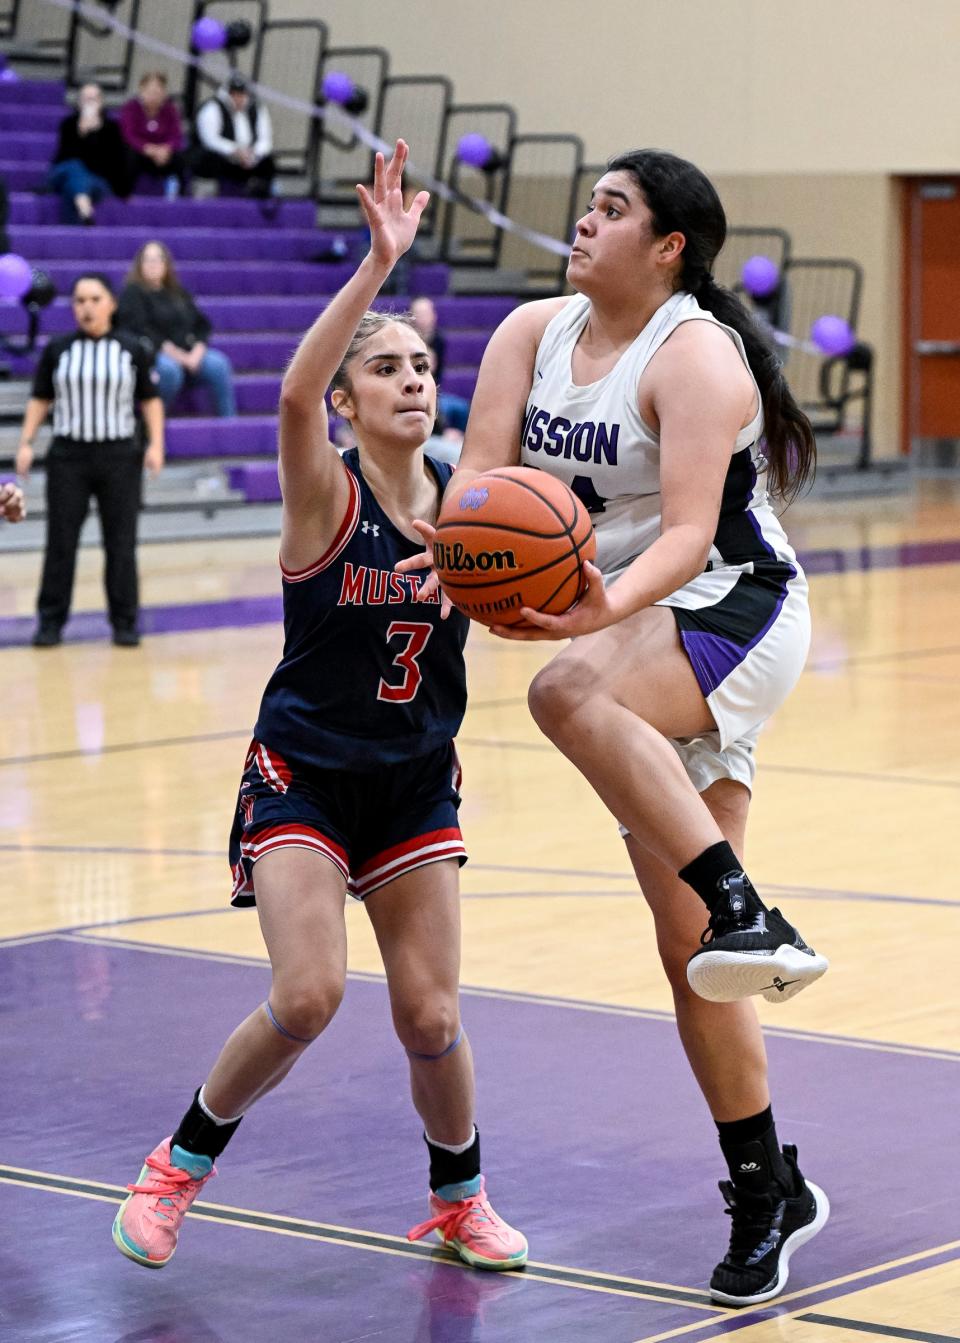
<point>373,527</point>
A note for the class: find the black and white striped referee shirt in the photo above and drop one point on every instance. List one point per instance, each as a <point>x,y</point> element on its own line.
<point>94,385</point>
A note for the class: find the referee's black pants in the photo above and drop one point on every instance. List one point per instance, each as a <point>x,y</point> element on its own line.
<point>76,473</point>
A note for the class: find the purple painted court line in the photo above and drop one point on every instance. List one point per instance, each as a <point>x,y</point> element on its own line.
<point>85,626</point>
<point>904,556</point>
<point>596,1143</point>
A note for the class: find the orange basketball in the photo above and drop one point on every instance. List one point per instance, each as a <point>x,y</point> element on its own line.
<point>515,537</point>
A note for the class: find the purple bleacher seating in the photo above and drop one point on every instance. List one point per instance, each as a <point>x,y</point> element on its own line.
<point>108,241</point>
<point>245,436</point>
<point>27,208</point>
<point>41,117</point>
<point>258,481</point>
<point>23,176</point>
<point>247,262</point>
<point>27,145</point>
<point>51,92</point>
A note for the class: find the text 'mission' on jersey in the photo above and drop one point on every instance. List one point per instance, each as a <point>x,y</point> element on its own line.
<point>368,676</point>
<point>594,439</point>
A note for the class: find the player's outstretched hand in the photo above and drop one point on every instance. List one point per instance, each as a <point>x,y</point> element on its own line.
<point>392,228</point>
<point>594,611</point>
<point>417,563</point>
<point>12,504</point>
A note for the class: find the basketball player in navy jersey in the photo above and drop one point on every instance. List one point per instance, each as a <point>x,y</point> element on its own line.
<point>648,393</point>
<point>350,784</point>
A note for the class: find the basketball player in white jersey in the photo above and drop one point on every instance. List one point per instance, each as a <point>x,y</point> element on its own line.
<point>653,395</point>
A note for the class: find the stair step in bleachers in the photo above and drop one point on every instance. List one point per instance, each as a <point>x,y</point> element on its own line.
<point>158,214</point>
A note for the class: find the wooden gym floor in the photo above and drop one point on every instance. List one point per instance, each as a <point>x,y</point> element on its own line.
<point>122,968</point>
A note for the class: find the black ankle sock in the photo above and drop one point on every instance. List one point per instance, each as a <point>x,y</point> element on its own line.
<point>707,871</point>
<point>197,1133</point>
<point>752,1152</point>
<point>453,1167</point>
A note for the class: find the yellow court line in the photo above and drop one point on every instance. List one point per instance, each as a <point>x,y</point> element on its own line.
<point>102,937</point>
<point>378,1242</point>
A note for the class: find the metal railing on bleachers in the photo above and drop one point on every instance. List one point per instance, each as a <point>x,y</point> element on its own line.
<point>828,385</point>
<point>342,157</point>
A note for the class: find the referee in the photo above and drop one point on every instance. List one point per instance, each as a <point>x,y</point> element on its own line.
<point>92,378</point>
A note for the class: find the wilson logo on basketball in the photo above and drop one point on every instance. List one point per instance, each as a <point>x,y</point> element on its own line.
<point>456,559</point>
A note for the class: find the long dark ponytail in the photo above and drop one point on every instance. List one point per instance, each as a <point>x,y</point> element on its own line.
<point>682,199</point>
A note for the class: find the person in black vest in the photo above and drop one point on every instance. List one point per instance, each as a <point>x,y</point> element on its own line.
<point>93,377</point>
<point>235,139</point>
<point>90,161</point>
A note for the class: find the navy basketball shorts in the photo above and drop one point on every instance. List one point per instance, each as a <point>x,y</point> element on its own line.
<point>373,826</point>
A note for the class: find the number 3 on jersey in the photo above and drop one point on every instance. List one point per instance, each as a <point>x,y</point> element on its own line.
<point>416,635</point>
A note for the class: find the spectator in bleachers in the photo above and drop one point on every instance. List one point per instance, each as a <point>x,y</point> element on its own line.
<point>150,126</point>
<point>155,306</point>
<point>90,161</point>
<point>452,411</point>
<point>235,139</point>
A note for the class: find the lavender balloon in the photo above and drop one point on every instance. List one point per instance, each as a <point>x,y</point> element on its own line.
<point>337,87</point>
<point>16,275</point>
<point>208,34</point>
<point>760,276</point>
<point>474,149</point>
<point>8,76</point>
<point>832,335</point>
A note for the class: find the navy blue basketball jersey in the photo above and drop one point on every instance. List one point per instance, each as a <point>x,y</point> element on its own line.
<point>368,676</point>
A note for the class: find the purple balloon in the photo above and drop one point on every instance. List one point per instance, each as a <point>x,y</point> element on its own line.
<point>760,276</point>
<point>832,335</point>
<point>337,86</point>
<point>16,275</point>
<point>9,76</point>
<point>208,34</point>
<point>474,149</point>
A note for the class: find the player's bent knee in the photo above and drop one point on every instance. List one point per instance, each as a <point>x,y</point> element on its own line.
<point>553,698</point>
<point>304,1012</point>
<point>428,1030</point>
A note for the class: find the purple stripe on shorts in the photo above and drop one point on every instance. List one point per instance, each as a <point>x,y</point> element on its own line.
<point>713,657</point>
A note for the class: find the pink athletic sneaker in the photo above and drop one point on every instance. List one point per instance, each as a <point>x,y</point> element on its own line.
<point>472,1228</point>
<point>146,1227</point>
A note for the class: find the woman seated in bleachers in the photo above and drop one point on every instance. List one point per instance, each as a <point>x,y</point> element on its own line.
<point>150,126</point>
<point>155,305</point>
<point>90,160</point>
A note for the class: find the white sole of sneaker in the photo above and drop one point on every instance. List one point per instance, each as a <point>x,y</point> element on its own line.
<point>728,976</point>
<point>477,1261</point>
<point>799,1237</point>
<point>127,1250</point>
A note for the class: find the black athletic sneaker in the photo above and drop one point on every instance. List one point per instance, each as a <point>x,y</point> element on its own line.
<point>47,636</point>
<point>766,1230</point>
<point>749,949</point>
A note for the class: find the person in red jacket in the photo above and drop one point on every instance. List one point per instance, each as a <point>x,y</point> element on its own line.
<point>150,126</point>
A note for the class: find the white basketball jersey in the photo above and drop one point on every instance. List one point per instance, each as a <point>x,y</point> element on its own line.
<point>594,439</point>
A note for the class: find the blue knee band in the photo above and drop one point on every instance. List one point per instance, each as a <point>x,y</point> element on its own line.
<point>289,1035</point>
<point>432,1058</point>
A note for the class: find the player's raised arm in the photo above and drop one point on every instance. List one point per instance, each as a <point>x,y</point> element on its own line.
<point>311,476</point>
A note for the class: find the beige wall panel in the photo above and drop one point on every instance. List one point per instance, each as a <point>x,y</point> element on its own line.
<point>742,86</point>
